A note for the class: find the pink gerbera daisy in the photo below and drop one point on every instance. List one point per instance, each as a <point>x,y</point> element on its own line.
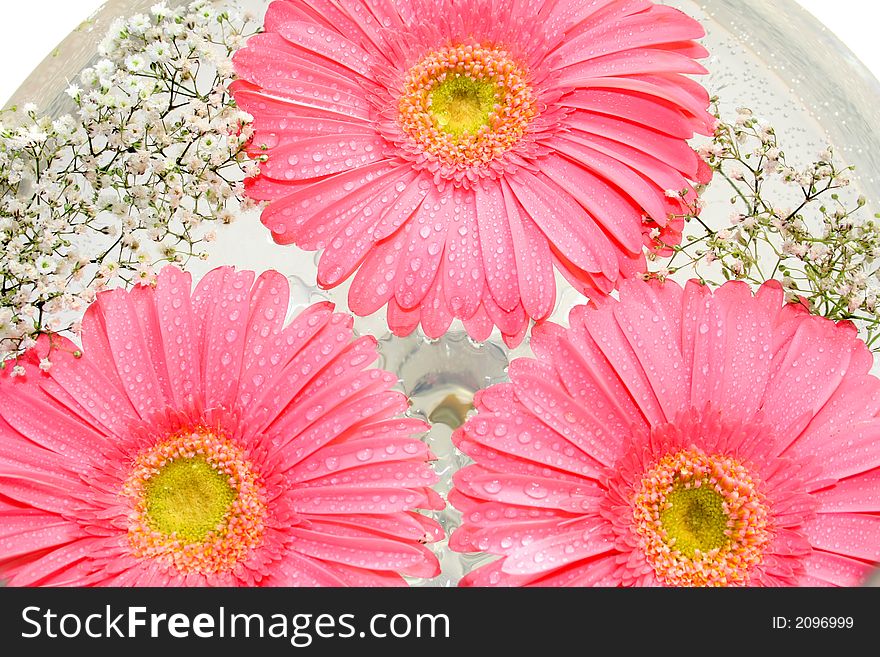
<point>454,151</point>
<point>199,441</point>
<point>678,438</point>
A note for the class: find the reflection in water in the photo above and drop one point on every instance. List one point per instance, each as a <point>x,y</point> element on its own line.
<point>441,378</point>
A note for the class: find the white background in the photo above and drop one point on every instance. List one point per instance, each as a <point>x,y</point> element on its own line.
<point>32,28</point>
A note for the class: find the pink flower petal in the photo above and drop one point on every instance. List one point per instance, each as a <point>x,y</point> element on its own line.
<point>286,217</point>
<point>353,217</point>
<point>326,339</point>
<point>177,324</point>
<point>597,14</point>
<point>353,238</point>
<point>372,285</point>
<point>499,257</point>
<point>298,570</point>
<point>617,214</point>
<point>655,27</point>
<point>635,145</point>
<point>274,62</point>
<point>492,575</point>
<point>499,538</point>
<point>565,223</point>
<point>325,42</point>
<point>614,346</point>
<point>272,42</point>
<point>436,317</point>
<point>321,432</point>
<point>539,391</point>
<point>354,453</point>
<point>810,350</point>
<point>653,87</point>
<point>335,400</point>
<point>531,440</point>
<point>596,572</point>
<point>224,340</point>
<point>427,236</point>
<point>835,569</point>
<point>49,426</point>
<point>317,157</point>
<point>855,404</point>
<point>642,192</point>
<point>535,492</point>
<point>653,112</point>
<point>361,577</point>
<point>629,63</point>
<point>584,373</point>
<point>37,539</point>
<point>847,534</point>
<point>343,500</point>
<point>347,365</point>
<point>579,541</point>
<point>463,282</point>
<point>130,352</point>
<point>479,326</point>
<point>410,197</point>
<point>371,553</point>
<point>267,309</point>
<point>407,473</point>
<point>512,324</point>
<point>651,324</point>
<point>511,464</point>
<point>534,268</point>
<point>860,493</point>
<point>409,526</point>
<point>52,563</point>
<point>496,398</point>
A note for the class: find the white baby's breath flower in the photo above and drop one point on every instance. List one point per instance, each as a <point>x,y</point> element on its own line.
<point>105,68</point>
<point>158,51</point>
<point>139,23</point>
<point>136,63</point>
<point>138,170</point>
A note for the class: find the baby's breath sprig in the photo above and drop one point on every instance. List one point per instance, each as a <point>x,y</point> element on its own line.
<point>135,177</point>
<point>824,248</point>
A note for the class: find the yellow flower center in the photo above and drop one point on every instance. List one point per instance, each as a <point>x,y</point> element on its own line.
<point>701,520</point>
<point>466,105</point>
<point>188,497</point>
<point>695,520</point>
<point>197,503</point>
<point>461,104</point>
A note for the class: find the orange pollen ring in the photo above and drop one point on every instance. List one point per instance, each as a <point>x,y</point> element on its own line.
<point>239,531</point>
<point>746,529</point>
<point>505,124</point>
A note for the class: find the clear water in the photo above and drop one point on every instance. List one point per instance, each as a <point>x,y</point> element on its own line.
<point>770,56</point>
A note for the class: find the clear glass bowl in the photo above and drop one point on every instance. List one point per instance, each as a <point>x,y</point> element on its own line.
<point>764,56</point>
